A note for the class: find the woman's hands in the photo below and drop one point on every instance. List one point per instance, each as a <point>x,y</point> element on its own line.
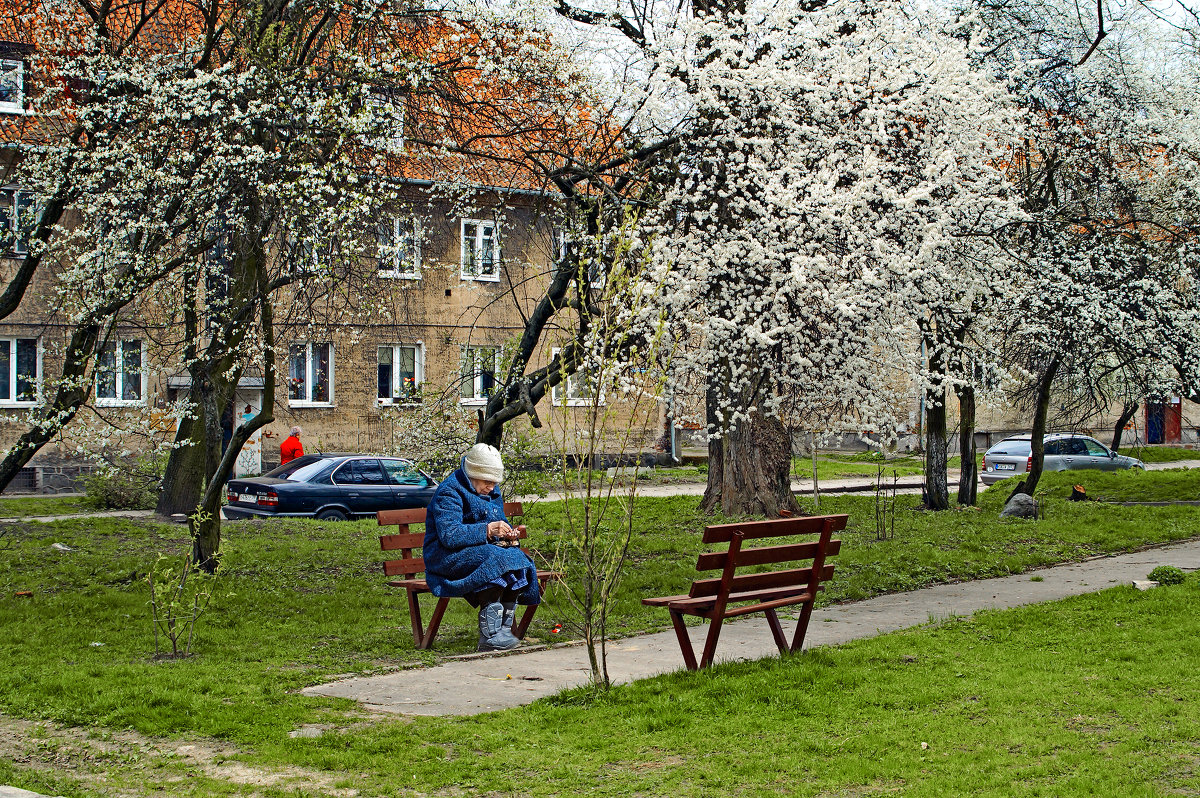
<point>500,531</point>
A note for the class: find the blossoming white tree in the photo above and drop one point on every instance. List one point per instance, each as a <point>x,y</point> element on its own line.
<point>190,131</point>
<point>839,157</point>
<point>1100,277</point>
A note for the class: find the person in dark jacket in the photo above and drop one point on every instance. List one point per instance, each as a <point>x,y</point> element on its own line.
<point>471,550</point>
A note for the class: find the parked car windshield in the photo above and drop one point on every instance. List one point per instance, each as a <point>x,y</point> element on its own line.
<point>364,471</point>
<point>404,473</point>
<point>301,469</point>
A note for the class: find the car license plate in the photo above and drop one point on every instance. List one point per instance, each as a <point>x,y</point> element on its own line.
<point>249,497</point>
<point>1005,467</point>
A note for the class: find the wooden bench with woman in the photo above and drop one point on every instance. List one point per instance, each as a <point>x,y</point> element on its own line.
<point>469,550</point>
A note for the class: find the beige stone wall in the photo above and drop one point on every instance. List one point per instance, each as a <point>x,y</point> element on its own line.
<point>441,312</point>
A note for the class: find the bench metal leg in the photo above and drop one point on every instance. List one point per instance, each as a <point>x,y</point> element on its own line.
<point>685,642</point>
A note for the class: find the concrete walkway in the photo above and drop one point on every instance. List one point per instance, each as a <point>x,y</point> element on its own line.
<point>92,514</point>
<point>478,683</point>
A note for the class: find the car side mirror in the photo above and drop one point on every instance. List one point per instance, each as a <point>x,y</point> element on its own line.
<point>1112,455</point>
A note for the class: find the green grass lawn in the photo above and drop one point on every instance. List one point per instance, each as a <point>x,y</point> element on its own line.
<point>838,465</point>
<point>1093,695</point>
<point>1161,454</point>
<point>1172,484</point>
<point>301,601</point>
<point>26,506</point>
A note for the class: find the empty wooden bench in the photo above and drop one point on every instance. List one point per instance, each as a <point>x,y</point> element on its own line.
<point>732,593</point>
<point>411,567</point>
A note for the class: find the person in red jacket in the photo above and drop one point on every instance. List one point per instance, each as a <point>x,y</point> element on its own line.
<point>291,448</point>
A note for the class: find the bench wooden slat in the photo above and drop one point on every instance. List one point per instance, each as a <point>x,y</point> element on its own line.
<point>411,540</point>
<point>766,555</point>
<point>417,515</point>
<point>754,530</point>
<point>401,517</point>
<point>701,604</point>
<point>412,565</point>
<point>744,583</point>
<point>662,601</point>
<point>419,585</point>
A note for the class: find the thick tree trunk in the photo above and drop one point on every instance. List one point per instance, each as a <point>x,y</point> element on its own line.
<point>205,520</point>
<point>183,480</point>
<point>937,488</point>
<point>749,470</point>
<point>968,479</point>
<point>1127,413</point>
<point>214,381</point>
<point>1037,436</point>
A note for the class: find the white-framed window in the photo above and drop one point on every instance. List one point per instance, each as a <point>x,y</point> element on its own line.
<point>16,220</point>
<point>399,247</point>
<point>310,374</point>
<point>478,373</point>
<point>12,86</point>
<point>401,372</point>
<point>577,390</point>
<point>120,373</point>
<point>480,254</point>
<point>20,372</point>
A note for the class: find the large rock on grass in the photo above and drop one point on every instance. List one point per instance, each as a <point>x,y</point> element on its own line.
<point>1020,505</point>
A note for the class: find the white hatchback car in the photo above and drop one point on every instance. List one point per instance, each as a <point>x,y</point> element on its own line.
<point>1064,452</point>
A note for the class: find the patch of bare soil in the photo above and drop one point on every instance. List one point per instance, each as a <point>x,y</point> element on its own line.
<point>128,765</point>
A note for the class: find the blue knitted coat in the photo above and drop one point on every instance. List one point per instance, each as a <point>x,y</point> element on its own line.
<point>458,558</point>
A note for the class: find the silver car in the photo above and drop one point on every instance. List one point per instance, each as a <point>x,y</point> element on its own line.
<point>1064,452</point>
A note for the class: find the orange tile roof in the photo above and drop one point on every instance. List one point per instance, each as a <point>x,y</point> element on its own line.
<point>468,127</point>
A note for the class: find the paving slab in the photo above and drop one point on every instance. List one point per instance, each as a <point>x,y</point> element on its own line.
<point>475,684</point>
<point>17,792</point>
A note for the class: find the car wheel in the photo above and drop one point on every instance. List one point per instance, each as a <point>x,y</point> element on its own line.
<point>332,515</point>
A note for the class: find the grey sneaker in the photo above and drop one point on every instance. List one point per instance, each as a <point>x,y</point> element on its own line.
<point>493,635</point>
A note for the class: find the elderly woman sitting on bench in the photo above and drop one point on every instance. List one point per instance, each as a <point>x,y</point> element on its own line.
<point>471,550</point>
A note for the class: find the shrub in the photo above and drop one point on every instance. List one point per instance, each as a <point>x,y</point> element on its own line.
<point>1167,575</point>
<point>129,484</point>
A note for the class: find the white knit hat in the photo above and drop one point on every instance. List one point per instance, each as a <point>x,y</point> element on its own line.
<point>483,462</point>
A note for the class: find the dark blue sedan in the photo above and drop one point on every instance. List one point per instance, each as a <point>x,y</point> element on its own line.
<point>331,487</point>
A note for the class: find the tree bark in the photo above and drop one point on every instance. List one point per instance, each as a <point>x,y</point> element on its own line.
<point>937,489</point>
<point>716,451</point>
<point>1128,410</point>
<point>749,470</point>
<point>183,479</point>
<point>205,525</point>
<point>1037,443</point>
<point>968,479</point>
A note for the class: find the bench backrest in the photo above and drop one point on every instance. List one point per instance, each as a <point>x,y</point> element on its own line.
<point>734,557</point>
<point>409,543</point>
